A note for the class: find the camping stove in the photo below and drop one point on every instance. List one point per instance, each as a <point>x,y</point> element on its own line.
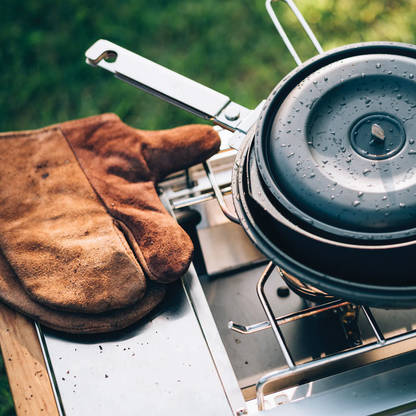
<point>238,335</point>
<point>224,342</point>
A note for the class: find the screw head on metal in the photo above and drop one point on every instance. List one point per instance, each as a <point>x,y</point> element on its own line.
<point>232,113</point>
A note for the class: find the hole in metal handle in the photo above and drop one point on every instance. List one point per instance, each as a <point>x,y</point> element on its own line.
<point>108,56</point>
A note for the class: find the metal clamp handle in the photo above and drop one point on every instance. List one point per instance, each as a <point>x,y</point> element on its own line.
<point>168,85</point>
<point>282,33</point>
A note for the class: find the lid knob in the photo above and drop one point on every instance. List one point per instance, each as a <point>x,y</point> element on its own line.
<point>377,135</point>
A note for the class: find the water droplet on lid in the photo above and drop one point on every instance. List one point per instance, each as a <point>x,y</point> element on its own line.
<point>312,175</point>
<point>324,161</point>
<point>348,159</point>
<point>399,96</point>
<point>391,130</point>
<point>276,138</point>
<point>289,131</point>
<point>366,171</point>
<point>384,198</point>
<point>412,152</point>
<point>356,203</point>
<point>325,78</point>
<point>282,145</point>
<point>332,196</point>
<point>291,154</point>
<point>401,205</point>
<point>315,82</point>
<point>386,214</point>
<point>299,130</point>
<point>411,76</point>
<point>288,122</point>
<point>360,194</point>
<point>362,75</point>
<point>378,65</point>
<point>389,72</point>
<point>411,141</point>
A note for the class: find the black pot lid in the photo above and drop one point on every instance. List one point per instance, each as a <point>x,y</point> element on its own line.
<point>339,150</point>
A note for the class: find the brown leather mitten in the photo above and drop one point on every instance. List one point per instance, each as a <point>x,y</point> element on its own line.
<point>13,294</point>
<point>78,208</point>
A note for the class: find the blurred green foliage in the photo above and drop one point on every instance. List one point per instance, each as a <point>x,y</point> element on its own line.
<point>6,401</point>
<point>228,45</point>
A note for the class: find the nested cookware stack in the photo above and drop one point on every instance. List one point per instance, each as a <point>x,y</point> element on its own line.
<point>325,184</point>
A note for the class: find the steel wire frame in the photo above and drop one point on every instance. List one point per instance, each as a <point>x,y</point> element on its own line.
<point>293,368</point>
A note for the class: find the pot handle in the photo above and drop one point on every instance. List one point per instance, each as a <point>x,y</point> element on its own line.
<point>282,33</point>
<point>169,86</point>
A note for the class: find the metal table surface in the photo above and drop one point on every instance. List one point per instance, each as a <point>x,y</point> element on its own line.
<point>159,365</point>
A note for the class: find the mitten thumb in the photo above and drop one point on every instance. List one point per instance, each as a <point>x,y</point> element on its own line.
<point>168,151</point>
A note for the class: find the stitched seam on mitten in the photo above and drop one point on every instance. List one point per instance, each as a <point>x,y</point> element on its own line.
<point>137,255</point>
<point>129,250</point>
<point>135,248</point>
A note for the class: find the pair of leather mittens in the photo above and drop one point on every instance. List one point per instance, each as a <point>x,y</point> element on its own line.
<point>85,243</point>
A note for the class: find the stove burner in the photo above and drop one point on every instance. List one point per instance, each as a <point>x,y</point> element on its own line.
<point>378,137</point>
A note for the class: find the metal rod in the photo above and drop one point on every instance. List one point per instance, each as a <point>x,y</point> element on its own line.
<point>51,375</point>
<point>269,313</point>
<point>285,319</point>
<point>282,33</point>
<point>279,374</point>
<point>374,325</point>
<point>194,200</point>
<point>218,194</point>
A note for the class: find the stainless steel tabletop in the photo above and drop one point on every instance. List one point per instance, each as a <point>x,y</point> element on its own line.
<point>160,365</point>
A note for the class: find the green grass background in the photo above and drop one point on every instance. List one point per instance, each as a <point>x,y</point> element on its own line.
<point>228,45</point>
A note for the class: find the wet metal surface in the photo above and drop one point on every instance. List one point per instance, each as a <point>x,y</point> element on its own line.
<point>159,364</point>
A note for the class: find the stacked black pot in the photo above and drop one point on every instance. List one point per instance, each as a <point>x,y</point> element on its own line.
<point>325,185</point>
